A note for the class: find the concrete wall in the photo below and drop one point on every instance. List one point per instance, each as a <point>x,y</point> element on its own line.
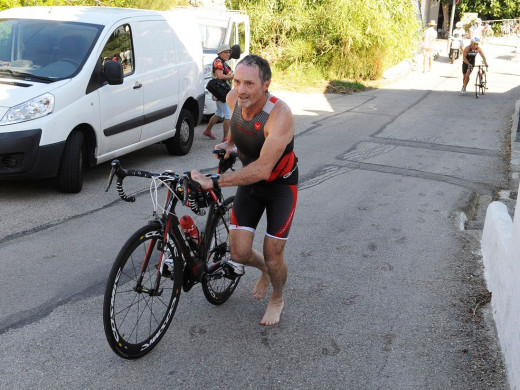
<point>501,256</point>
<point>429,11</point>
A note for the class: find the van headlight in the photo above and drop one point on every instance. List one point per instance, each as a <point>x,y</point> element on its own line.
<point>29,110</point>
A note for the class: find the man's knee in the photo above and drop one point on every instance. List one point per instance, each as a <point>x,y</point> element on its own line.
<point>240,253</point>
<point>274,251</point>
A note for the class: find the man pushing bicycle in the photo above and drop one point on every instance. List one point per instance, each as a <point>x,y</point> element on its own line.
<point>468,61</point>
<point>262,129</point>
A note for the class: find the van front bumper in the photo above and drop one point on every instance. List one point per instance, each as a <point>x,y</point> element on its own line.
<point>22,157</point>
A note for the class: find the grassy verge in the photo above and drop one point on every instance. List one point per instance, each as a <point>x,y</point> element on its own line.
<point>313,82</point>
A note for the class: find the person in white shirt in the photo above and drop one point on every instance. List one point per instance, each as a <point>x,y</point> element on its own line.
<point>458,32</point>
<point>428,39</point>
<point>475,31</point>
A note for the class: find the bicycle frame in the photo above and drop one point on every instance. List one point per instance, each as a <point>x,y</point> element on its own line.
<point>171,230</point>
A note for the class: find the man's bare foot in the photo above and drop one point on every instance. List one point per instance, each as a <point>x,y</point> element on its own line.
<point>272,313</point>
<point>261,286</point>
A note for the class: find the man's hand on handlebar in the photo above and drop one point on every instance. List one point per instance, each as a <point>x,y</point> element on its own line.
<point>205,182</point>
<point>224,146</point>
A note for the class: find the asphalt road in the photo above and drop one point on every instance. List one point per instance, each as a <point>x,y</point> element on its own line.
<point>384,291</point>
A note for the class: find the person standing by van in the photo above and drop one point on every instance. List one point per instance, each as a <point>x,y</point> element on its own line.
<point>221,70</point>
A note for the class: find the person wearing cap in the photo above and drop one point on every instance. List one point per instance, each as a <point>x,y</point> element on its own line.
<point>468,61</point>
<point>475,31</point>
<point>458,35</point>
<point>458,32</point>
<point>428,39</point>
<point>221,70</point>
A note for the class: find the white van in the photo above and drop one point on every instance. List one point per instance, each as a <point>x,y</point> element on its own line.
<point>83,85</point>
<point>218,26</point>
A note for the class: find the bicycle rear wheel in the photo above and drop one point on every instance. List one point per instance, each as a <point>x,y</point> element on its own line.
<point>218,286</point>
<point>483,83</point>
<point>135,317</point>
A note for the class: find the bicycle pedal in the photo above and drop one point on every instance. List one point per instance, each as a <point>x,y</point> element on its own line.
<point>233,269</point>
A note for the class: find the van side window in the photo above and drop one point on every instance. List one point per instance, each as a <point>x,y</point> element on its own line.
<point>119,48</point>
<point>242,35</point>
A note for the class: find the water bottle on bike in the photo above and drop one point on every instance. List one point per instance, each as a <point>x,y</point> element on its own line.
<point>190,229</point>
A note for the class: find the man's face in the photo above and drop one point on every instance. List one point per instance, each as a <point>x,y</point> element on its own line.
<point>249,86</point>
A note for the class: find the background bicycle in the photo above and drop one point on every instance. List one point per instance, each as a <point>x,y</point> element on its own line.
<point>167,255</point>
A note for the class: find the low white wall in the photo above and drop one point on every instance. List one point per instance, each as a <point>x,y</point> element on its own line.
<point>501,256</point>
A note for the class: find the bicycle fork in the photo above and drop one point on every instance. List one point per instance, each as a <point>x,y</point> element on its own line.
<point>164,266</point>
<point>139,288</point>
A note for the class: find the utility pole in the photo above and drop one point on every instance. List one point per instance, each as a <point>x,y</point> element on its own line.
<point>454,4</point>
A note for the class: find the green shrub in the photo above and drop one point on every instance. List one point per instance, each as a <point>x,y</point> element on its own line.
<point>353,39</point>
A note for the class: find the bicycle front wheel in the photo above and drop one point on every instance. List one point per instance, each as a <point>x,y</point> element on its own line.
<point>136,315</point>
<point>220,285</point>
<point>478,83</point>
<point>483,83</point>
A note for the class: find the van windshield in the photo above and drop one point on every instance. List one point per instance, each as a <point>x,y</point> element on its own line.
<point>44,50</point>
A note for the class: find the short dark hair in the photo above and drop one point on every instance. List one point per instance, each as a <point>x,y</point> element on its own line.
<point>262,64</point>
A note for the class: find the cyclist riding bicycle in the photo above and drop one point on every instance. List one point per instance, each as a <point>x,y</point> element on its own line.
<point>456,41</point>
<point>262,128</point>
<point>468,61</point>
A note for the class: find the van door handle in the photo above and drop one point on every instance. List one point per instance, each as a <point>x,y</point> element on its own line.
<point>137,85</point>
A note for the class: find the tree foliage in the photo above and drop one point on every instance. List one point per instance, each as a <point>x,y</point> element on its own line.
<point>355,39</point>
<point>333,39</point>
<point>490,9</point>
<point>144,4</point>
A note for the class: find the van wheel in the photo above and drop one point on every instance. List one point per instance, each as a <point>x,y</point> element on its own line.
<point>70,175</point>
<point>180,144</point>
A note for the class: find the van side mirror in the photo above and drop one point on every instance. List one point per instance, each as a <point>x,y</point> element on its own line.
<point>113,71</point>
<point>236,51</point>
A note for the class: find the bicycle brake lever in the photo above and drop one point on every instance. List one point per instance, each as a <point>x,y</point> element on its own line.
<point>220,153</point>
<point>115,167</point>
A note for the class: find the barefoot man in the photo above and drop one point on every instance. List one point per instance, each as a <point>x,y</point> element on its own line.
<point>262,130</point>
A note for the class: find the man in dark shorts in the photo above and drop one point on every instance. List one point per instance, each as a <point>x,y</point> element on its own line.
<point>468,61</point>
<point>262,130</point>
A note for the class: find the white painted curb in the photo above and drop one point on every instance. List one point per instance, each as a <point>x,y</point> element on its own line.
<point>501,256</point>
